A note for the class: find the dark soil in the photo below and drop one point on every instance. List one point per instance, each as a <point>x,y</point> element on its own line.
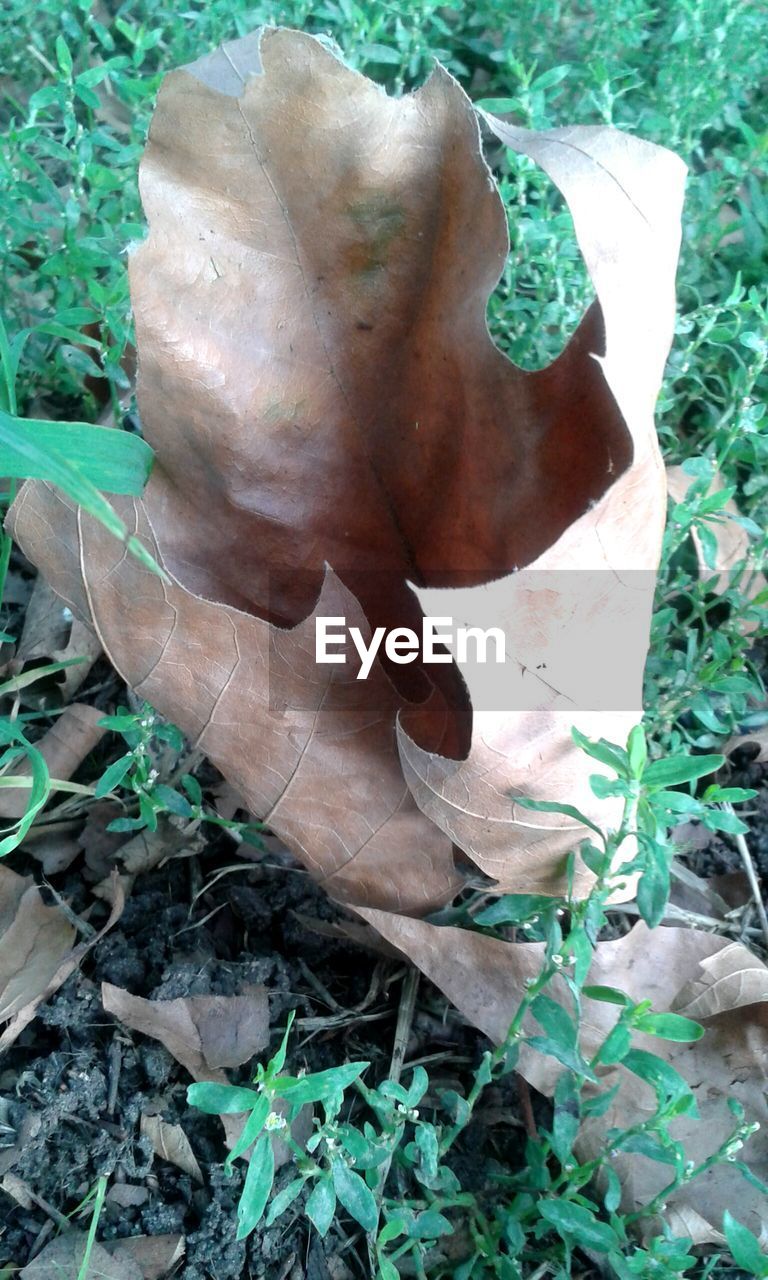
<point>76,1082</point>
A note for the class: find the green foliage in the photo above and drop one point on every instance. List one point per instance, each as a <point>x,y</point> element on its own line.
<point>555,1204</point>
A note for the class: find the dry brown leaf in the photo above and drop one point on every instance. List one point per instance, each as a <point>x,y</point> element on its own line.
<point>759,739</point>
<point>154,1255</point>
<point>484,977</point>
<point>170,1142</point>
<point>733,544</point>
<point>64,747</point>
<point>318,382</point>
<point>730,979</point>
<point>52,634</point>
<point>63,1257</point>
<point>203,1033</point>
<point>34,939</point>
<point>35,954</point>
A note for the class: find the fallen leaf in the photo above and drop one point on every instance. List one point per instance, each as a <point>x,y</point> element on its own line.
<point>52,634</point>
<point>55,846</point>
<point>680,969</point>
<point>730,979</point>
<point>170,1142</point>
<point>64,746</point>
<point>758,741</point>
<point>36,955</point>
<point>63,1258</point>
<point>203,1033</point>
<point>34,939</point>
<point>318,382</point>
<point>154,1255</point>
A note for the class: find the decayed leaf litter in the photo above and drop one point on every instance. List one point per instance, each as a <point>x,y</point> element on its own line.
<point>338,302</point>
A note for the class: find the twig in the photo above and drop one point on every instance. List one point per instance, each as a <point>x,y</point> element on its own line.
<point>404,1023</point>
<point>402,1036</point>
<point>749,867</point>
<point>526,1106</point>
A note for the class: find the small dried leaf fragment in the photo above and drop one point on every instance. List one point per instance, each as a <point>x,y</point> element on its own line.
<point>730,979</point>
<point>36,953</point>
<point>203,1033</point>
<point>154,1255</point>
<point>170,1142</point>
<point>34,939</point>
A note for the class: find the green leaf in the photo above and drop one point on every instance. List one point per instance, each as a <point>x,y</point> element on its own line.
<point>429,1225</point>
<point>113,776</point>
<point>278,1062</point>
<point>566,1119</point>
<point>666,1082</point>
<point>251,1129</point>
<point>603,751</point>
<point>745,1248</point>
<point>669,773</point>
<point>172,800</point>
<point>552,806</point>
<point>556,1021</point>
<point>222,1099</point>
<point>321,1084</point>
<point>22,455</point>
<point>355,1195</point>
<point>637,751</point>
<point>612,1197</point>
<point>321,1205</point>
<point>608,995</point>
<point>258,1185</point>
<point>513,908</point>
<point>417,1088</point>
<point>645,1144</point>
<point>284,1199</point>
<point>616,1045</point>
<point>111,460</point>
<point>63,56</point>
<point>578,1225</point>
<point>669,1026</point>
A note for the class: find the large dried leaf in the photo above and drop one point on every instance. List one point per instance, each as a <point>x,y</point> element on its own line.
<point>682,969</point>
<point>318,381</point>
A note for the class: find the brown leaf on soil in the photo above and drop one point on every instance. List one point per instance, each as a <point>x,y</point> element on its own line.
<point>52,634</point>
<point>317,379</point>
<point>64,747</point>
<point>203,1033</point>
<point>730,979</point>
<point>759,739</point>
<point>154,1255</point>
<point>34,939</point>
<point>733,543</point>
<point>484,977</point>
<point>36,956</point>
<point>63,1258</point>
<point>170,1142</point>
